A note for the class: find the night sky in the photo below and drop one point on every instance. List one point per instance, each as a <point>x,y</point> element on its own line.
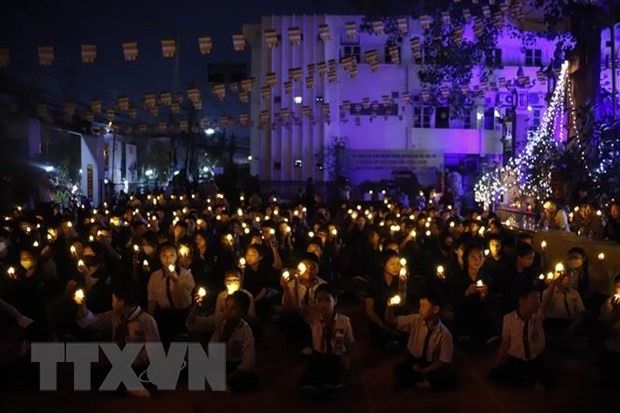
<point>66,24</point>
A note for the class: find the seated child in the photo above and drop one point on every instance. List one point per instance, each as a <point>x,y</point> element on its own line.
<point>430,347</point>
<point>564,313</point>
<point>233,279</point>
<point>237,334</point>
<point>332,342</point>
<point>520,361</point>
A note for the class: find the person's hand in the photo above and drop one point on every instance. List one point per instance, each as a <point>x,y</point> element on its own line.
<point>419,369</point>
<point>472,289</point>
<point>285,278</point>
<point>483,291</point>
<point>24,321</point>
<point>615,302</point>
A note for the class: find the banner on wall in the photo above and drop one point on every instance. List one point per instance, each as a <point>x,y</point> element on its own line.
<point>131,164</point>
<point>375,165</point>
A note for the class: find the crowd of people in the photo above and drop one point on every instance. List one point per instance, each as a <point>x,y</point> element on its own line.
<point>189,267</point>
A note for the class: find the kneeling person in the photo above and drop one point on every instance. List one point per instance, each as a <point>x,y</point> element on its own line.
<point>430,347</point>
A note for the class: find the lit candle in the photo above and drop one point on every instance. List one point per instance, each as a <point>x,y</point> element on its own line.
<point>617,298</point>
<point>229,238</point>
<point>403,261</point>
<point>183,251</point>
<point>302,268</point>
<point>412,234</point>
<point>78,296</point>
<point>541,277</point>
<point>91,238</point>
<point>601,256</point>
<point>559,267</point>
<point>136,248</point>
<point>395,300</point>
<point>311,234</point>
<point>428,233</point>
<point>145,263</point>
<point>334,232</point>
<point>11,272</point>
<point>81,263</point>
<point>242,262</point>
<point>202,292</point>
<point>286,275</point>
<point>35,244</point>
<point>543,244</point>
<point>272,231</point>
<point>171,268</point>
<point>240,212</point>
<point>441,272</point>
<point>486,252</point>
<point>403,273</point>
<point>479,284</point>
<point>452,224</point>
<point>550,276</point>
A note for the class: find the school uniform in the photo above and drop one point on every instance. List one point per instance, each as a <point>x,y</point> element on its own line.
<point>302,297</point>
<point>221,301</point>
<point>240,354</point>
<point>173,298</point>
<point>563,307</point>
<point>526,363</point>
<point>331,339</point>
<point>425,346</point>
<point>135,327</point>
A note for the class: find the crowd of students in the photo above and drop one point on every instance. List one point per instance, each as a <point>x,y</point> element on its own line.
<point>183,267</point>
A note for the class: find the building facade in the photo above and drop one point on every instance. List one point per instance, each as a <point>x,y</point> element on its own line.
<point>314,102</point>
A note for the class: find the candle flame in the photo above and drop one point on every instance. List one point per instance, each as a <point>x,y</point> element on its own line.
<point>302,268</point>
<point>601,256</point>
<point>559,267</point>
<point>395,300</point>
<point>171,268</point>
<point>202,292</point>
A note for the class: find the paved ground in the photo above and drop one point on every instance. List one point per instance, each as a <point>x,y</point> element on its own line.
<point>370,390</point>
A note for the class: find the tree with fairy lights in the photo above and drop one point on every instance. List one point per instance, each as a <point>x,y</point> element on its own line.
<point>532,168</point>
<point>606,145</point>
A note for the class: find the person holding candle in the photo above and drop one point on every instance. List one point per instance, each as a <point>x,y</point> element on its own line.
<point>170,294</point>
<point>380,289</point>
<point>125,323</point>
<point>473,298</point>
<point>257,276</point>
<point>429,347</point>
<point>332,346</point>
<point>298,298</point>
<point>564,311</point>
<point>580,271</point>
<point>554,218</point>
<point>233,330</point>
<point>233,280</point>
<point>520,359</point>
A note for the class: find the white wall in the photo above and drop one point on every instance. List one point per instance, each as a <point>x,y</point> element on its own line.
<point>456,141</point>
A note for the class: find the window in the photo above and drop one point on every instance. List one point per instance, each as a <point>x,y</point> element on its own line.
<point>350,50</point>
<point>489,119</point>
<point>535,118</point>
<point>533,57</point>
<point>493,58</point>
<point>466,118</point>
<point>422,116</point>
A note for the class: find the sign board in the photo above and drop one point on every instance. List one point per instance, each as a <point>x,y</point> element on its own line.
<point>375,165</point>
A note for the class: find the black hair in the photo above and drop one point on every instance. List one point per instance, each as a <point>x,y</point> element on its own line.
<point>495,237</point>
<point>523,249</point>
<point>386,256</point>
<point>525,290</point>
<point>432,297</point>
<point>327,289</point>
<point>310,257</point>
<point>617,278</point>
<point>125,291</point>
<point>242,300</point>
<point>150,237</point>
